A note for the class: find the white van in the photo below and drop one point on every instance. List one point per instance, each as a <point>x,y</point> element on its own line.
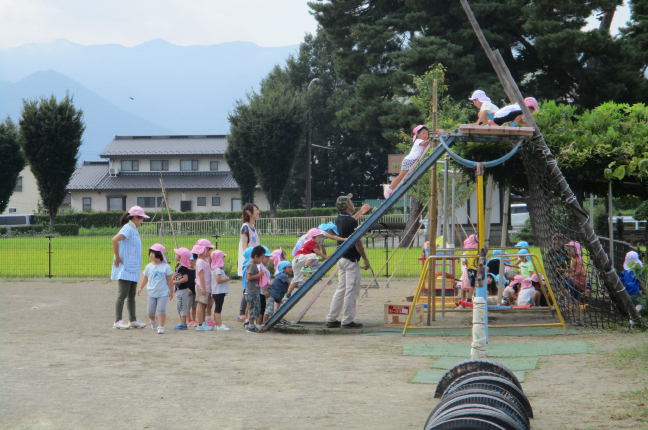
<point>519,214</point>
<point>14,220</point>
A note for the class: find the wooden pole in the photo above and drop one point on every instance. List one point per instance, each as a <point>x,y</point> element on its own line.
<point>432,220</point>
<point>500,284</point>
<point>611,222</point>
<point>166,203</point>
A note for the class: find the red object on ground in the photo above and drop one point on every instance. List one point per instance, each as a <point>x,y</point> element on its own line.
<point>465,304</point>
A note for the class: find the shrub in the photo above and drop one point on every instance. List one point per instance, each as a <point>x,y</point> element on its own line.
<point>641,214</point>
<point>28,229</point>
<point>526,234</point>
<point>66,229</point>
<point>3,230</point>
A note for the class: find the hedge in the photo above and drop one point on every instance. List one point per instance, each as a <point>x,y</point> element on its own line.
<point>111,219</point>
<point>28,229</point>
<point>3,230</point>
<point>66,229</point>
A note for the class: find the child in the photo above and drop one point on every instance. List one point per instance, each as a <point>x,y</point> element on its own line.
<point>510,293</point>
<point>278,255</point>
<point>524,264</point>
<point>220,286</point>
<point>253,274</point>
<point>494,264</point>
<point>483,103</point>
<point>306,256</point>
<point>576,282</point>
<point>203,282</point>
<point>514,112</point>
<point>631,281</point>
<point>471,244</point>
<point>192,293</point>
<point>539,287</point>
<point>266,302</point>
<point>528,294</point>
<point>281,283</point>
<point>243,311</point>
<point>159,286</point>
<point>182,278</point>
<point>491,284</point>
<point>421,141</point>
<point>208,311</point>
<point>329,230</point>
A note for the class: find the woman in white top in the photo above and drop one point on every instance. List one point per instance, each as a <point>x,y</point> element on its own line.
<point>421,143</point>
<point>249,238</point>
<point>127,265</point>
<point>483,103</point>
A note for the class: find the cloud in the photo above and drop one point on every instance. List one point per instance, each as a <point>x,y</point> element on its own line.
<point>132,22</point>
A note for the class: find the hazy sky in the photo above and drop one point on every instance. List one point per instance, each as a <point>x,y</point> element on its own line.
<point>182,22</point>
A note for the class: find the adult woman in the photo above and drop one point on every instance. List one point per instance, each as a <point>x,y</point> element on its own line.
<point>127,265</point>
<point>249,238</point>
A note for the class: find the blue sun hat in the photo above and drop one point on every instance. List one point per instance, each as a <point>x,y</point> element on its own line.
<point>524,251</point>
<point>283,265</point>
<point>247,256</point>
<point>329,226</point>
<point>522,244</point>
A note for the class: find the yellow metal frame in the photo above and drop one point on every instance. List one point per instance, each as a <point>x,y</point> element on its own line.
<point>433,258</point>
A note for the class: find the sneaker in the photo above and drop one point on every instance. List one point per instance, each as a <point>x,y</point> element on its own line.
<point>387,191</point>
<point>192,324</point>
<point>121,325</point>
<point>154,324</point>
<point>180,327</point>
<point>207,327</point>
<point>246,323</point>
<point>638,308</point>
<point>334,324</point>
<point>200,327</point>
<point>240,318</point>
<point>222,327</point>
<point>283,322</point>
<point>211,324</point>
<point>160,330</point>
<point>253,329</point>
<point>352,325</point>
<point>286,297</point>
<point>136,324</point>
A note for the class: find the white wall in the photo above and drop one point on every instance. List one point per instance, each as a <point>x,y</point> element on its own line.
<point>174,162</point>
<point>25,201</point>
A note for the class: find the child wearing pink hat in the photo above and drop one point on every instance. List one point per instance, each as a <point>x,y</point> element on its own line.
<point>307,255</point>
<point>513,113</point>
<point>183,278</point>
<point>220,286</point>
<point>528,294</point>
<point>421,141</point>
<point>203,284</point>
<point>510,293</point>
<point>159,286</point>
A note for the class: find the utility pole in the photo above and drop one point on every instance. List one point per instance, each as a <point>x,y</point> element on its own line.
<point>308,149</point>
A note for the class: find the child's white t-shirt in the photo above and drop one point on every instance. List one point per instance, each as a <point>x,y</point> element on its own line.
<point>157,285</point>
<point>416,151</point>
<point>507,292</point>
<point>215,286</point>
<point>525,296</point>
<point>507,110</point>
<point>488,107</point>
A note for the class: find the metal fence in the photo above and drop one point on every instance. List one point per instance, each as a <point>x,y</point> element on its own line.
<point>91,256</point>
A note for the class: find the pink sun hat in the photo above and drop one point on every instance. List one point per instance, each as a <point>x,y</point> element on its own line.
<point>158,247</point>
<point>217,259</point>
<point>417,129</point>
<point>532,103</point>
<point>184,254</point>
<point>527,284</point>
<point>205,242</point>
<point>137,211</point>
<point>198,249</point>
<point>314,232</point>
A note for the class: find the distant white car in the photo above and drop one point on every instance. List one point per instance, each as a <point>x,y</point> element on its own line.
<point>519,214</point>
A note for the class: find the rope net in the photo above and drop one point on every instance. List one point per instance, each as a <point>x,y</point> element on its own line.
<point>582,290</point>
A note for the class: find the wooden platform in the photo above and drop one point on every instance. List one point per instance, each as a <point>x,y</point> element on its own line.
<point>495,130</point>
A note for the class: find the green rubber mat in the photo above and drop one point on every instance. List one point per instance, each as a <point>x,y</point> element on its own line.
<point>434,376</point>
<point>501,350</point>
<point>524,363</point>
<point>522,331</point>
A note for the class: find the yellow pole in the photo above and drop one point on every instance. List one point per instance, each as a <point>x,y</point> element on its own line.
<point>432,218</point>
<point>480,207</point>
<point>553,298</point>
<point>417,296</point>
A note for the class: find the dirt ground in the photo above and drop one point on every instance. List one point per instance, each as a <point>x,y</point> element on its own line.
<point>62,366</point>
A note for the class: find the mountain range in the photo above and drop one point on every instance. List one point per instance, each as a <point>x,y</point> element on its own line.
<point>152,88</point>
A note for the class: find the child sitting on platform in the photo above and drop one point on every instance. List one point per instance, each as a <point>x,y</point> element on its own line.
<point>510,293</point>
<point>513,113</point>
<point>483,103</point>
<point>528,294</point>
<point>539,287</point>
<point>491,284</point>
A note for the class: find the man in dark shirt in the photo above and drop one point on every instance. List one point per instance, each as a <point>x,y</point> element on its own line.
<point>349,276</point>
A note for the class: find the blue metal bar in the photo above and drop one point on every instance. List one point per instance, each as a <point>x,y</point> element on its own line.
<point>328,264</point>
<point>487,164</point>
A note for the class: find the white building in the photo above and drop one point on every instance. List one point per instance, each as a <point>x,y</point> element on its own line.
<point>195,173</point>
<point>24,200</point>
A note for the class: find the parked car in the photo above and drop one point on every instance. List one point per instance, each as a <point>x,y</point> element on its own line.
<point>17,220</point>
<point>519,214</point>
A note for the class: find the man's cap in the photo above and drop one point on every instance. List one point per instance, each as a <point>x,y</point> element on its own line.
<point>342,201</point>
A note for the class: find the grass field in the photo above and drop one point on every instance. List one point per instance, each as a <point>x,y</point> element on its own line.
<point>91,256</point>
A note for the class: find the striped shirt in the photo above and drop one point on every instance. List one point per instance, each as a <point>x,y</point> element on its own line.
<point>130,251</point>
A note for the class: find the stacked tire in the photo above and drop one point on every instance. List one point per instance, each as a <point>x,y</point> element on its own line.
<point>480,394</point>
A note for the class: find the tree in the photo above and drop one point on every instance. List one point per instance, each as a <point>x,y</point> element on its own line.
<point>12,157</point>
<point>241,171</point>
<point>51,136</point>
<point>350,163</point>
<point>378,45</point>
<point>267,128</point>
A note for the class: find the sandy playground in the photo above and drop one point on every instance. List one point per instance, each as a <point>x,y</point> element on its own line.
<point>64,367</point>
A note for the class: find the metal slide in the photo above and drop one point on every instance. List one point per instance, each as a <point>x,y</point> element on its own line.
<point>328,264</point>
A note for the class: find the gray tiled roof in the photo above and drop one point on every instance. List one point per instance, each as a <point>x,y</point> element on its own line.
<point>88,175</point>
<point>165,145</point>
<point>95,177</point>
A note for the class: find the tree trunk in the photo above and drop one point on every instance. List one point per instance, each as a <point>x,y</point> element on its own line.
<point>411,228</point>
<point>273,209</point>
<point>52,215</point>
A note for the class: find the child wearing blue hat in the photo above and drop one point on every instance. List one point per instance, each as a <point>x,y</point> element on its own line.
<point>279,286</point>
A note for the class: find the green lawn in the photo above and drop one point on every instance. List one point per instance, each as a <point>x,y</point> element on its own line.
<point>91,256</point>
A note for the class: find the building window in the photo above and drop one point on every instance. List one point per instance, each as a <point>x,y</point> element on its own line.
<point>160,202</point>
<point>116,204</point>
<point>215,201</point>
<point>188,164</point>
<point>87,204</point>
<point>18,186</point>
<point>13,210</point>
<point>159,165</point>
<point>213,165</point>
<point>236,205</point>
<point>146,202</point>
<point>202,201</point>
<point>130,165</point>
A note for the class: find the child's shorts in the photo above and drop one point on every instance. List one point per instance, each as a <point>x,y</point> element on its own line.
<point>219,299</point>
<point>407,164</point>
<point>254,305</point>
<point>298,266</point>
<point>472,277</point>
<point>192,300</point>
<point>269,309</point>
<point>157,303</point>
<point>200,298</point>
<point>184,300</point>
